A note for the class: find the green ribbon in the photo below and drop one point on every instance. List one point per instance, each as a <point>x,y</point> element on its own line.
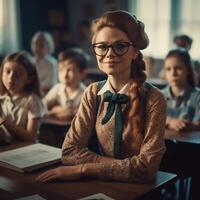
<point>115,100</point>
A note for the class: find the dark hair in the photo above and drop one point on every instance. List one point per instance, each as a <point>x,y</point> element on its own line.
<point>184,56</point>
<point>134,29</point>
<point>77,55</point>
<point>187,38</point>
<point>25,59</point>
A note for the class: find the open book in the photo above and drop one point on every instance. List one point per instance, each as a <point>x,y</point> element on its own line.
<point>30,158</point>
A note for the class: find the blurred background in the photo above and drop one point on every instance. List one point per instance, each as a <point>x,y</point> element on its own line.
<point>67,21</point>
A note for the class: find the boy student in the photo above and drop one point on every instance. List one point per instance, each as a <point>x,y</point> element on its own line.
<point>63,99</point>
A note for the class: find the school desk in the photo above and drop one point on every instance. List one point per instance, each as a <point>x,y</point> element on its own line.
<point>53,131</point>
<point>14,185</point>
<point>182,158</point>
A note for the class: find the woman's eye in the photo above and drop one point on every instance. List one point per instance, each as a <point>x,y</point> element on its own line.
<point>102,47</point>
<point>120,46</point>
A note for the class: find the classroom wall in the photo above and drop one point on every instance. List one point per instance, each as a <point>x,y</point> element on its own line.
<point>90,9</point>
<point>49,15</point>
<point>60,17</point>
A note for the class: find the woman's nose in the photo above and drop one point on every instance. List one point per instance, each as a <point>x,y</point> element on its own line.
<point>110,52</point>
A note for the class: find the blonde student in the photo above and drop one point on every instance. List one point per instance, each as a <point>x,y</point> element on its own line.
<point>64,98</point>
<point>42,46</point>
<point>183,98</point>
<point>127,113</point>
<point>21,108</point>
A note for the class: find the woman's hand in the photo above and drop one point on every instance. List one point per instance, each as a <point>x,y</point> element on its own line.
<point>61,173</point>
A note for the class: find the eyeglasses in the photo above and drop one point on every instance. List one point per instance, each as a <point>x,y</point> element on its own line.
<point>119,48</point>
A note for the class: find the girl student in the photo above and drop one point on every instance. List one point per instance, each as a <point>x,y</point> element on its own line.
<point>183,98</point>
<point>21,108</point>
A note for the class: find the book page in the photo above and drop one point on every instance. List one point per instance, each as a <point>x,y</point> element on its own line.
<point>32,197</point>
<point>30,155</point>
<point>98,196</point>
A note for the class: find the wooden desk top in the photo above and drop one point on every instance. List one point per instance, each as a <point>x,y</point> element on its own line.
<point>14,185</point>
<point>185,137</point>
<point>18,185</point>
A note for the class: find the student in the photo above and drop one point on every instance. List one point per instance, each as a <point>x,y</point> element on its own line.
<point>64,98</point>
<point>183,41</point>
<point>42,46</point>
<point>130,135</point>
<point>183,98</point>
<point>183,114</point>
<point>20,105</point>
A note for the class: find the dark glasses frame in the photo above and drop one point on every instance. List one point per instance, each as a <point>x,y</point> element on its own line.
<point>113,46</point>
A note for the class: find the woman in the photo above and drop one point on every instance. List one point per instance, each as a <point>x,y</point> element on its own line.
<point>130,120</point>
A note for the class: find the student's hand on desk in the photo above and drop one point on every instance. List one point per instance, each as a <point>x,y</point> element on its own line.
<point>61,173</point>
<point>177,124</point>
<point>60,109</point>
<point>55,110</point>
<point>191,126</point>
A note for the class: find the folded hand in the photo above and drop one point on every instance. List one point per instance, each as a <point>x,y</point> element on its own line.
<point>61,173</point>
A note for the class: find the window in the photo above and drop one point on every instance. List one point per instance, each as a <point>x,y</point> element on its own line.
<point>9,26</point>
<point>164,19</point>
<point>1,24</point>
<point>189,23</point>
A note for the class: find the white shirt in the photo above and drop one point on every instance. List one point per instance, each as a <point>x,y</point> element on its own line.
<point>58,96</point>
<point>19,109</point>
<point>107,86</point>
<point>47,69</point>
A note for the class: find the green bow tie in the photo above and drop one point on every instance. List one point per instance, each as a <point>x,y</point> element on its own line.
<point>115,100</point>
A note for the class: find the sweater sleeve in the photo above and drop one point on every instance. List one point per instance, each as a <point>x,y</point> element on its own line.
<point>74,149</point>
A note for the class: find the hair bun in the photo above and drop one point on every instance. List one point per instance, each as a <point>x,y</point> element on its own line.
<point>142,39</point>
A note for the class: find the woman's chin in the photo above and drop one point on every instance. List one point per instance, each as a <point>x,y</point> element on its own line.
<point>110,71</point>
